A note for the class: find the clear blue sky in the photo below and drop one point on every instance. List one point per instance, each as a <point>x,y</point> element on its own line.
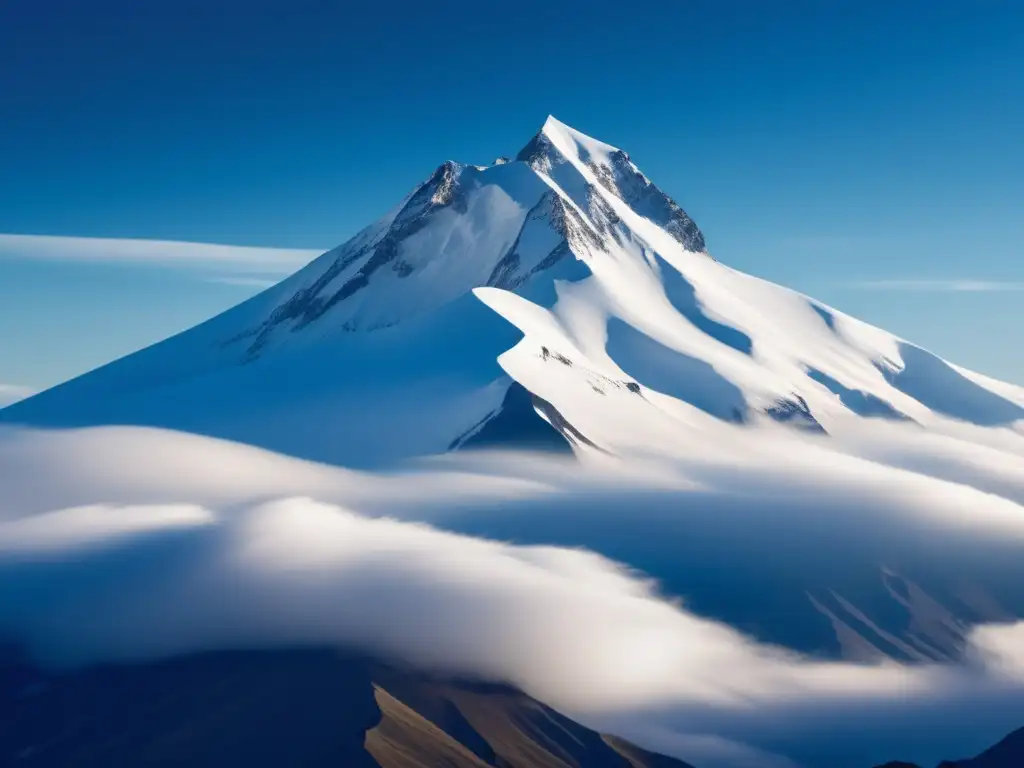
<point>823,144</point>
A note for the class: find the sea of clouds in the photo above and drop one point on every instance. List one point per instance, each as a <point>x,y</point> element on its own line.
<point>122,543</point>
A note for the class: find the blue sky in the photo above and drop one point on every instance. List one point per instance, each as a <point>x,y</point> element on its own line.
<point>867,153</point>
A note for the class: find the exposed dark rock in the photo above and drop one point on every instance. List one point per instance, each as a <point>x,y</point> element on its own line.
<point>1008,753</point>
<point>860,402</point>
<point>538,153</point>
<point>795,412</point>
<point>308,304</point>
<point>273,708</point>
<point>624,180</point>
<point>516,424</point>
<point>559,422</point>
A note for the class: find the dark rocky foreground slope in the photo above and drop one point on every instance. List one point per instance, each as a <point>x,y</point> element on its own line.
<point>306,709</point>
<point>1008,753</point>
<point>286,708</point>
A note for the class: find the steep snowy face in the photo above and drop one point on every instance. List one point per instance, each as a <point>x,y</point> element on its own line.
<point>469,226</point>
<point>447,236</point>
<point>559,151</point>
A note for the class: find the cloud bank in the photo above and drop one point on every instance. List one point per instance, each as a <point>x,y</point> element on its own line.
<point>120,543</point>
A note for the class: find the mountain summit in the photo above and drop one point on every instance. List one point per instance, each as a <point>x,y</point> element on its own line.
<point>560,298</point>
<point>469,226</point>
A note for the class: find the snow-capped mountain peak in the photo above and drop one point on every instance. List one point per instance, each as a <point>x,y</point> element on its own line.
<point>561,153</point>
<point>467,226</point>
<point>556,142</point>
<point>563,285</point>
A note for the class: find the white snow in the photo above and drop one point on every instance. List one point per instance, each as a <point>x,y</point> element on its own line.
<point>407,362</point>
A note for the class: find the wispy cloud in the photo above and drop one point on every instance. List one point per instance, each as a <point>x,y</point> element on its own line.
<point>260,263</point>
<point>942,286</point>
<point>828,242</point>
<point>12,393</point>
<point>244,281</point>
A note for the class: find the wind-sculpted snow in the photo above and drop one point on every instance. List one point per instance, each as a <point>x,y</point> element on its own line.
<point>942,388</point>
<point>123,543</point>
<point>858,401</point>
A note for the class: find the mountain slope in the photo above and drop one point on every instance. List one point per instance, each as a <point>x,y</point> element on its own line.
<point>306,707</point>
<point>634,335</point>
<point>276,708</point>
<point>1008,753</point>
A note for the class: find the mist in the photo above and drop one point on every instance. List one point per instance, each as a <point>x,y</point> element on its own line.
<point>668,602</point>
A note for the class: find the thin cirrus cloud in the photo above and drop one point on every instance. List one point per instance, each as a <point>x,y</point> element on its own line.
<point>251,266</point>
<point>943,286</point>
<point>12,393</point>
<point>243,281</point>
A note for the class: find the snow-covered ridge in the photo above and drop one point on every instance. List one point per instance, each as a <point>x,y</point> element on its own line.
<point>565,271</point>
<point>615,172</point>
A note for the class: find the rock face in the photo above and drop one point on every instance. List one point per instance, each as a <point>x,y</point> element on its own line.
<point>301,708</point>
<point>1008,753</point>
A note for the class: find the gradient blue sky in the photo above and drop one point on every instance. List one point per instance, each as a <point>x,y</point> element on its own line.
<point>868,153</point>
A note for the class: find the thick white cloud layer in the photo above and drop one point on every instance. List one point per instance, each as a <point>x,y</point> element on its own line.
<point>121,543</point>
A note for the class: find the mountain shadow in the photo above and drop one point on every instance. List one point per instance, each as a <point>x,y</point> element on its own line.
<point>860,402</point>
<point>935,383</point>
